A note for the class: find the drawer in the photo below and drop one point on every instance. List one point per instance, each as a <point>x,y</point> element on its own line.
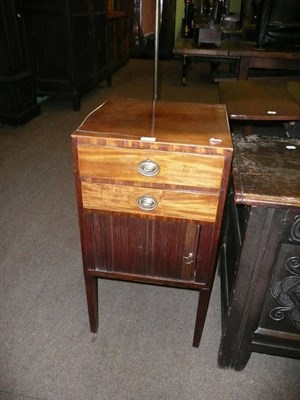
<point>170,203</point>
<point>119,164</point>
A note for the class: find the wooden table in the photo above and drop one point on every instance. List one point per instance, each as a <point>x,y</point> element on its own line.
<point>151,184</point>
<point>251,57</point>
<point>260,255</point>
<point>254,101</point>
<point>187,49</point>
<point>241,54</point>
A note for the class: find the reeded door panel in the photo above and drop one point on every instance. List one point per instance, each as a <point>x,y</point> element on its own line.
<point>140,246</point>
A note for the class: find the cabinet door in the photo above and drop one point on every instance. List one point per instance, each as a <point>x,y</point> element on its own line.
<point>79,6</point>
<point>83,58</point>
<point>48,39</point>
<point>17,91</point>
<point>83,52</point>
<point>12,44</point>
<point>100,6</point>
<point>101,45</point>
<point>140,246</point>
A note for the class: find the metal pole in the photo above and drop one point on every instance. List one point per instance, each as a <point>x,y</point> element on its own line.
<point>156,48</point>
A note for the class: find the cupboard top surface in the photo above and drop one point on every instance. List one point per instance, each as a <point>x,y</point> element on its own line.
<point>190,124</point>
<point>266,171</point>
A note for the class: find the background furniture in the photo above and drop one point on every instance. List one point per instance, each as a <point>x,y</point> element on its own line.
<point>68,46</point>
<point>151,183</point>
<point>278,23</point>
<point>127,7</point>
<point>250,102</point>
<point>250,57</point>
<point>260,101</point>
<point>118,39</point>
<point>259,260</point>
<point>17,92</point>
<point>144,26</point>
<point>242,55</point>
<point>187,49</point>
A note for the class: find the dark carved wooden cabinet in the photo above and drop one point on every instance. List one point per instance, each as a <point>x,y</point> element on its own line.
<point>68,45</point>
<point>260,255</point>
<point>17,92</point>
<point>151,186</point>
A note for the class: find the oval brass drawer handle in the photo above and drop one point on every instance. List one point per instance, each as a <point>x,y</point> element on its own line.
<point>148,168</point>
<point>147,203</point>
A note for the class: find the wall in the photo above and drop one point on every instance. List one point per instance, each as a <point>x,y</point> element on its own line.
<point>235,6</point>
<point>178,20</point>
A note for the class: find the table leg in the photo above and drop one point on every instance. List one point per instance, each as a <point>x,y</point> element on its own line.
<point>76,102</point>
<point>185,66</point>
<point>91,286</point>
<point>213,70</point>
<point>204,296</point>
<point>248,129</point>
<point>243,68</point>
<point>108,80</point>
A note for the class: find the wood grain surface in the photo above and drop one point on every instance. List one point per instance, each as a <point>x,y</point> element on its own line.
<point>119,164</point>
<point>267,171</point>
<point>164,124</point>
<point>259,101</point>
<point>171,203</point>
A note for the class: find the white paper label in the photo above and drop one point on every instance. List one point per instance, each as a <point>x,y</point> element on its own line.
<point>215,140</point>
<point>148,139</point>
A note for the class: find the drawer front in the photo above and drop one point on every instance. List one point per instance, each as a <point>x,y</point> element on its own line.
<point>182,169</point>
<point>169,203</point>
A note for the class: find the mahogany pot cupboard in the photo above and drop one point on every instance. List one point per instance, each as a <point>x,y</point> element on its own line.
<point>151,184</point>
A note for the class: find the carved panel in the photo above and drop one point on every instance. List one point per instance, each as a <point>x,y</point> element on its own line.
<point>287,293</point>
<point>291,231</point>
<point>281,311</point>
<point>295,230</point>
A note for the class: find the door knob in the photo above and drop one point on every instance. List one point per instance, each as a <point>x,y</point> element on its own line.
<point>188,259</point>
